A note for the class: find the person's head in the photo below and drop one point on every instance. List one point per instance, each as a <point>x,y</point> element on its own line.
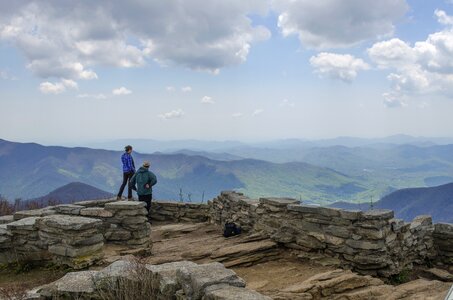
<point>146,164</point>
<point>128,149</point>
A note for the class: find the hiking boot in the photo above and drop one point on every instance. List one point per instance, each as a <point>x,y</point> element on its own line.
<point>119,198</point>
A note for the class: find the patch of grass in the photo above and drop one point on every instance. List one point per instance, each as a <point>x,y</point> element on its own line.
<point>400,278</point>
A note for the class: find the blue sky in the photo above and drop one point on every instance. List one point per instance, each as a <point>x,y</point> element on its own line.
<point>242,70</point>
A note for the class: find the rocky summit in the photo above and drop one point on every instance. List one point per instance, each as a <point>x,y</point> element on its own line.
<point>287,250</point>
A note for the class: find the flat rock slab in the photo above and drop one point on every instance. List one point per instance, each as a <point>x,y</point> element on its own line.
<point>23,224</point>
<point>378,214</point>
<point>313,209</point>
<point>194,280</point>
<point>69,222</point>
<point>243,249</point>
<point>95,203</point>
<point>6,219</point>
<point>120,205</point>
<point>68,209</point>
<point>440,274</point>
<point>95,212</point>
<point>227,292</point>
<point>279,201</point>
<point>47,211</point>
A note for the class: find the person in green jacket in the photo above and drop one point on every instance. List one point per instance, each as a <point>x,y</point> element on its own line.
<point>142,182</point>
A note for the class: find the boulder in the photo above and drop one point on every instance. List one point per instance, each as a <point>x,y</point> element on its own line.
<point>163,278</point>
<point>195,279</point>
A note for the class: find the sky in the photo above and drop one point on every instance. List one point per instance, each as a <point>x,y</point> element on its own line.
<point>248,70</point>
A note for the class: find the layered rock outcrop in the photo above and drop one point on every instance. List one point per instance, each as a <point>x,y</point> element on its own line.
<point>73,234</point>
<point>177,280</point>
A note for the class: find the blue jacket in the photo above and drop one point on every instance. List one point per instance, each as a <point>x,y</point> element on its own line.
<point>128,163</point>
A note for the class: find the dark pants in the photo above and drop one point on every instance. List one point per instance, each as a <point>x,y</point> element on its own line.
<point>147,199</point>
<point>126,177</point>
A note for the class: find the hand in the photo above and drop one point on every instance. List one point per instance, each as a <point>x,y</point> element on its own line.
<point>147,186</point>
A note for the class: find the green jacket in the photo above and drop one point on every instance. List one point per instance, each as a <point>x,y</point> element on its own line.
<point>142,177</point>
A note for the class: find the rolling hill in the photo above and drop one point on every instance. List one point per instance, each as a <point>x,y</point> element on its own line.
<point>409,203</point>
<point>73,192</point>
<point>29,170</point>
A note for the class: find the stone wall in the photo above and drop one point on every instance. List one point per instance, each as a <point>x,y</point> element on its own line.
<point>169,211</point>
<point>371,242</point>
<point>73,234</point>
<point>443,241</point>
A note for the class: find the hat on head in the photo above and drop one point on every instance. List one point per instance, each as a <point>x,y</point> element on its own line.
<point>146,164</point>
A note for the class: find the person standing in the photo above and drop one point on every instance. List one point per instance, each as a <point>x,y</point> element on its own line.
<point>128,172</point>
<point>143,182</point>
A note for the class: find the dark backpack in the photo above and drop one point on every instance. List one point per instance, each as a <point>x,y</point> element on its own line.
<point>231,229</point>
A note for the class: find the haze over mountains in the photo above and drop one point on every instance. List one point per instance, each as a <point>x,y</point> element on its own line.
<point>409,203</point>
<point>322,172</point>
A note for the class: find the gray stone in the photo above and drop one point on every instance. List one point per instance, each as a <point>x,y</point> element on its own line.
<point>279,201</point>
<point>164,277</point>
<point>227,292</point>
<point>378,214</point>
<point>69,251</point>
<point>23,224</point>
<point>365,245</point>
<point>72,223</point>
<point>33,213</point>
<point>96,212</point>
<point>315,210</point>
<point>6,219</point>
<point>95,203</point>
<point>117,234</point>
<point>124,205</point>
<point>194,280</point>
<point>68,209</point>
<point>351,214</point>
<point>74,284</point>
<point>443,229</point>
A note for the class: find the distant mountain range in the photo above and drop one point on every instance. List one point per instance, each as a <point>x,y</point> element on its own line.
<point>409,203</point>
<point>29,170</point>
<point>292,168</point>
<point>151,145</point>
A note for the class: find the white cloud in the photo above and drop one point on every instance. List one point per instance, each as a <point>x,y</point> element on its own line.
<point>94,96</point>
<point>121,91</point>
<point>443,18</point>
<point>237,115</point>
<point>207,100</point>
<point>394,52</point>
<point>186,89</point>
<point>174,114</point>
<point>426,67</point>
<point>392,100</point>
<point>286,102</point>
<point>257,112</point>
<point>68,39</point>
<point>170,88</point>
<point>338,66</point>
<point>57,87</point>
<point>338,23</point>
